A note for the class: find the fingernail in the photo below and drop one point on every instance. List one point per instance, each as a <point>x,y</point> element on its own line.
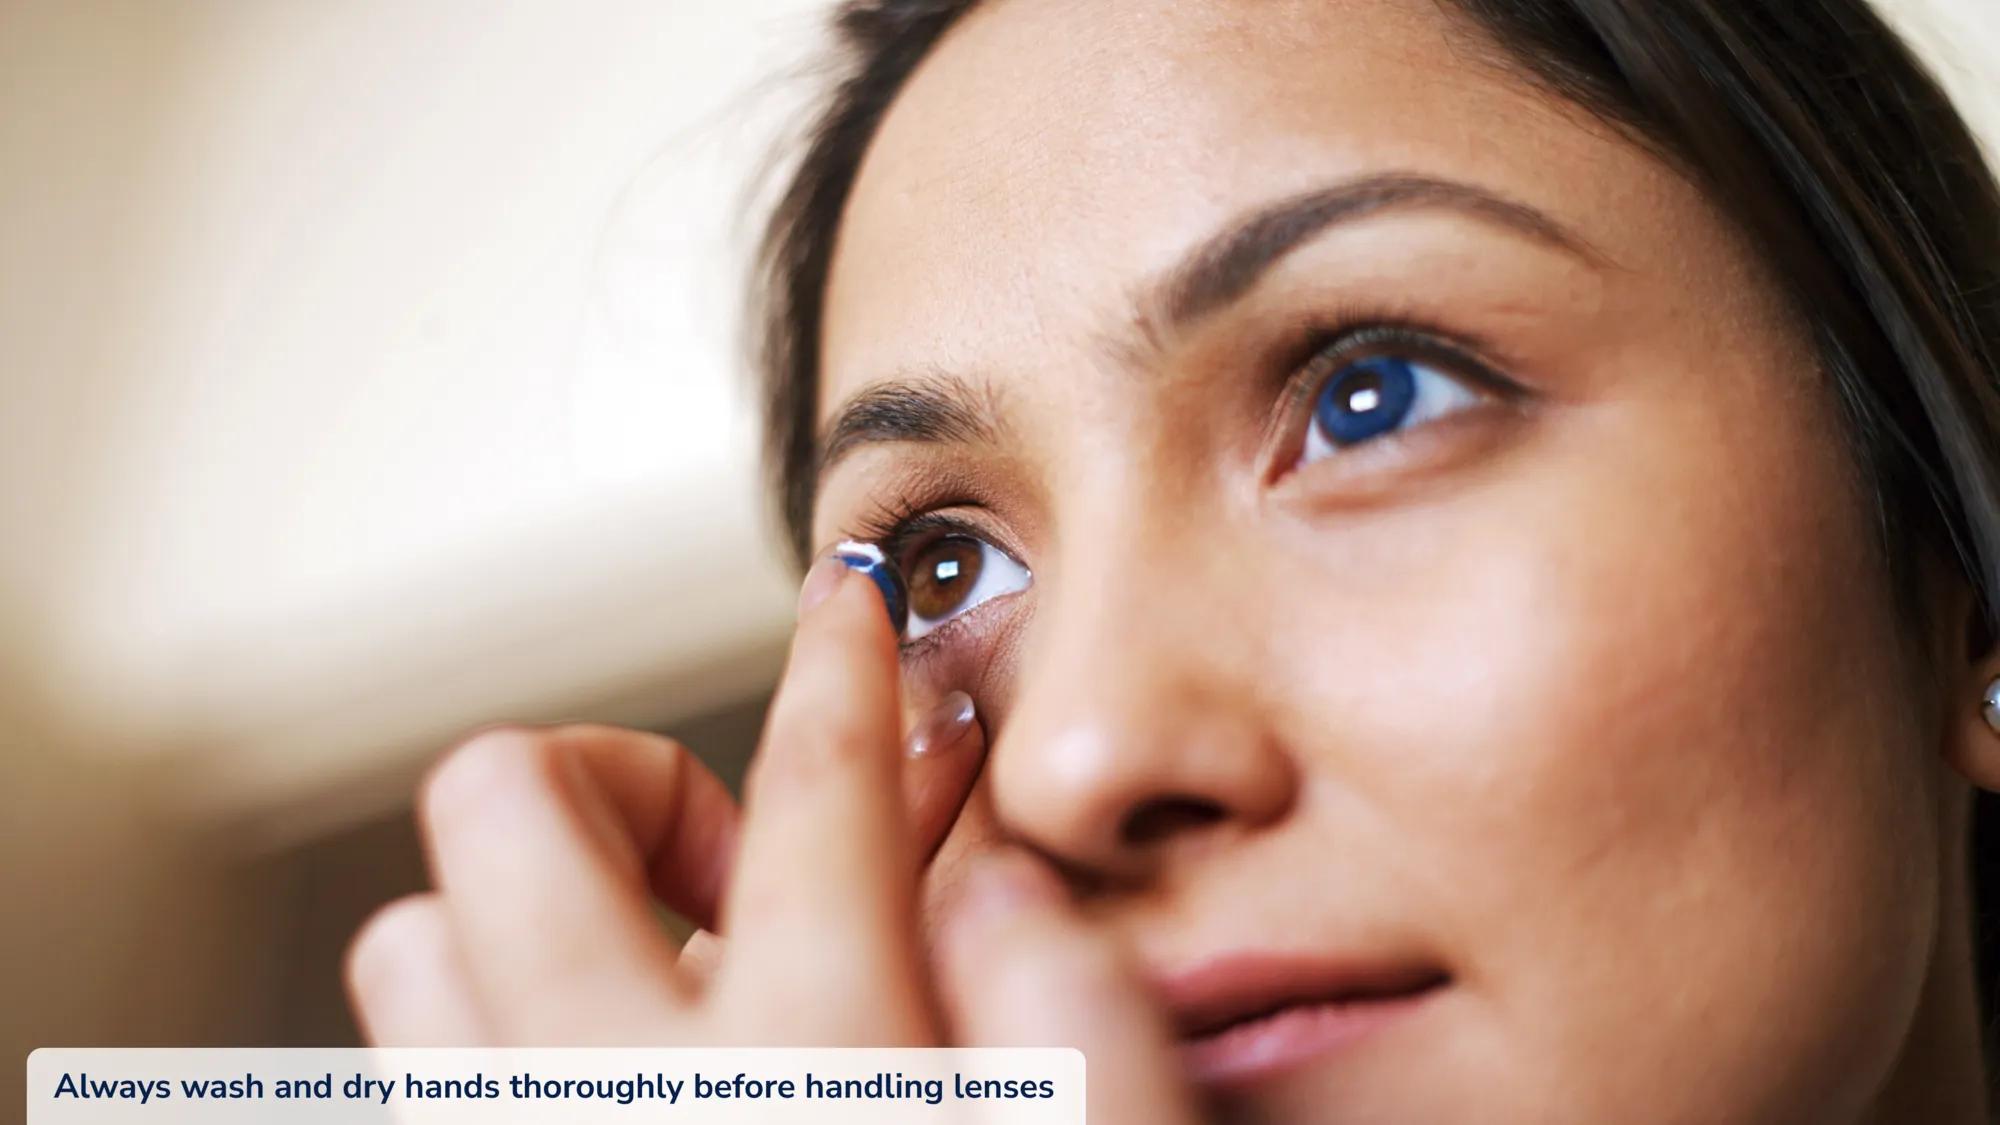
<point>941,727</point>
<point>821,581</point>
<point>867,558</point>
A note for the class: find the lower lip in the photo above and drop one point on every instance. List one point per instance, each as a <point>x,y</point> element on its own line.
<point>1260,1049</point>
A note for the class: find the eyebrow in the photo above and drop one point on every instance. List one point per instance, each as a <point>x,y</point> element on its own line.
<point>933,407</point>
<point>937,407</point>
<point>1228,265</point>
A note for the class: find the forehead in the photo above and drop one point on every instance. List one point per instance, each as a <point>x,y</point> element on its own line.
<point>1052,156</point>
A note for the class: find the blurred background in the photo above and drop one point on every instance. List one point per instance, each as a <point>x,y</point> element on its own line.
<point>371,370</point>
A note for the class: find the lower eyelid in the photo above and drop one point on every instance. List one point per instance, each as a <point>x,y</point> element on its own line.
<point>921,647</point>
<point>941,639</point>
<point>1385,469</point>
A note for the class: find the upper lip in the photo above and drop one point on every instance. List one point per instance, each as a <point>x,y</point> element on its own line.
<point>1212,995</point>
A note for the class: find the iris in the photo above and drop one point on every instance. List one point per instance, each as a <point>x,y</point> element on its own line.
<point>1366,400</point>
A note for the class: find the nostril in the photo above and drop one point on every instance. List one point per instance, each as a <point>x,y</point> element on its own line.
<point>1168,816</point>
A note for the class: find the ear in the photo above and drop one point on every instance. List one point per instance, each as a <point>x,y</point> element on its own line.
<point>1975,752</point>
<point>1972,736</point>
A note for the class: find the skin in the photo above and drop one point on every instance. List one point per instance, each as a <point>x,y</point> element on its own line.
<point>1593,697</point>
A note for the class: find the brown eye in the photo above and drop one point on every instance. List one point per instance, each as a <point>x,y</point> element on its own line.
<point>942,575</point>
<point>954,574</point>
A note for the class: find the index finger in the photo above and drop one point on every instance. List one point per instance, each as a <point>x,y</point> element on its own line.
<point>824,886</point>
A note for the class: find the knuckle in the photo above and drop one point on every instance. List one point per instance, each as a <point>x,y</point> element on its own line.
<point>585,741</point>
<point>584,735</point>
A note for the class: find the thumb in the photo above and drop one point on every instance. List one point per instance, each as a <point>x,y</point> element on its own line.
<point>1019,968</point>
<point>701,956</point>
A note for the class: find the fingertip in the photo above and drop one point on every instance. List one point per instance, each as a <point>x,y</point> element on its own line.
<point>869,560</point>
<point>826,575</point>
<point>701,955</point>
<point>376,957</point>
<point>1021,968</point>
<point>843,651</point>
<point>838,701</point>
<point>999,893</point>
<point>828,578</point>
<point>404,982</point>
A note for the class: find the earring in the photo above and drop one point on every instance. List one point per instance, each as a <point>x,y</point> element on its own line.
<point>1991,704</point>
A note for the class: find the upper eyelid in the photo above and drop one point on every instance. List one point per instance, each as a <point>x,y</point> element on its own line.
<point>1463,361</point>
<point>916,481</point>
<point>1384,337</point>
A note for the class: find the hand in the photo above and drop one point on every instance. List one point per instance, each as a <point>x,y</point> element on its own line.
<point>550,846</point>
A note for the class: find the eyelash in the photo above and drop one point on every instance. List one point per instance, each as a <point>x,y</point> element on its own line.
<point>897,526</point>
<point>1326,351</point>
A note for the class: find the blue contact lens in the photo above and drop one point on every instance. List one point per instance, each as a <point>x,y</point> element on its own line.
<point>869,560</point>
<point>1366,400</point>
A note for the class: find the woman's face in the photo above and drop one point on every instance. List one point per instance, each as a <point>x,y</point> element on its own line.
<point>1411,541</point>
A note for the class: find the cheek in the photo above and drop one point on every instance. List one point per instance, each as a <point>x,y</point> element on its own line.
<point>1632,706</point>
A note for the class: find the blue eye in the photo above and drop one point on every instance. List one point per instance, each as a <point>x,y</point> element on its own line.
<point>1370,398</point>
<point>952,575</point>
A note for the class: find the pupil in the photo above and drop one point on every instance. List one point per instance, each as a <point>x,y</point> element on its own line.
<point>944,574</point>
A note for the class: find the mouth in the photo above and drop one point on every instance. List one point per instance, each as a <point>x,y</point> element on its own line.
<point>1245,1018</point>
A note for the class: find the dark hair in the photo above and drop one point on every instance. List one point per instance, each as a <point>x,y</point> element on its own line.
<point>1809,122</point>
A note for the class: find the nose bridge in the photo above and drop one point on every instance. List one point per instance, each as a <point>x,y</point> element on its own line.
<point>1134,599</point>
<point>1137,715</point>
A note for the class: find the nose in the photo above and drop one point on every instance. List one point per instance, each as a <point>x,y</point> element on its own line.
<point>1137,726</point>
